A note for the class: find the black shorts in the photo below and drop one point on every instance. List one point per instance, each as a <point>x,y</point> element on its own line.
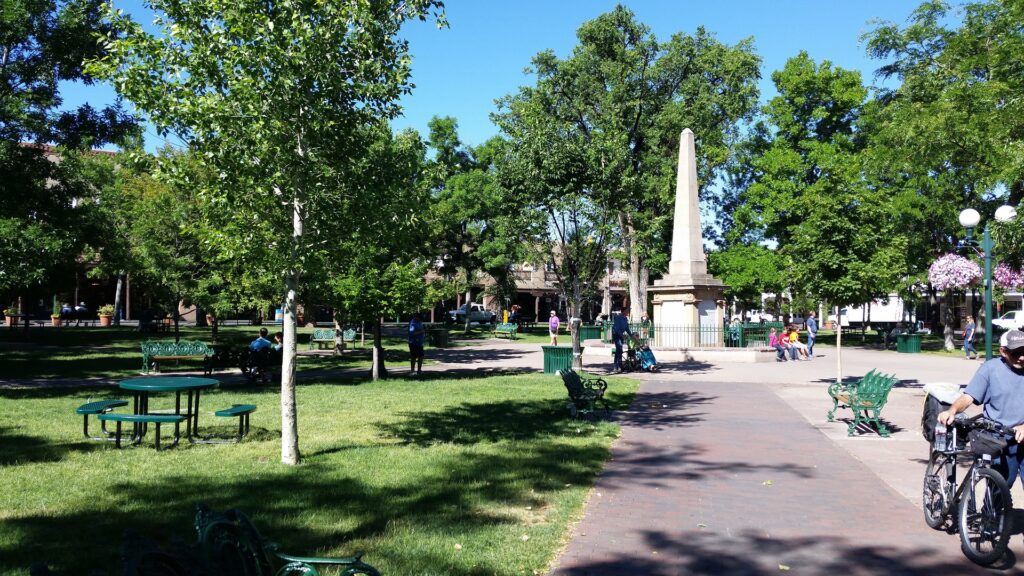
<point>415,350</point>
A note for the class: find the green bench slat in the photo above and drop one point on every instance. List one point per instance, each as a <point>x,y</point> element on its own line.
<point>153,418</point>
<point>236,410</point>
<point>100,406</point>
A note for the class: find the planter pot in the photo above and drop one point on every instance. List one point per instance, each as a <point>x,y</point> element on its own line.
<point>55,320</point>
<point>105,320</point>
<point>11,321</point>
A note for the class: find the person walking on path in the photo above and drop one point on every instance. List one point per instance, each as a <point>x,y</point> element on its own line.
<point>812,333</point>
<point>969,331</point>
<point>416,336</point>
<point>553,328</point>
<point>620,327</point>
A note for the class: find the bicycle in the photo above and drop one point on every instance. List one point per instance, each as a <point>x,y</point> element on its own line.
<point>982,501</point>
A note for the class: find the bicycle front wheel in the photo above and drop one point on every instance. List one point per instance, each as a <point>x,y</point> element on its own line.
<point>939,487</point>
<point>984,517</point>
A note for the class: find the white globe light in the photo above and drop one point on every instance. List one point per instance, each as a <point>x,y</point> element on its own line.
<point>969,218</point>
<point>1006,213</point>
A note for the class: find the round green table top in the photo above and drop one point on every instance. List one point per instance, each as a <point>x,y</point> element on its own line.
<point>168,383</point>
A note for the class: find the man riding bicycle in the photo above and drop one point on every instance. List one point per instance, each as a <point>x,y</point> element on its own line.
<point>999,385</point>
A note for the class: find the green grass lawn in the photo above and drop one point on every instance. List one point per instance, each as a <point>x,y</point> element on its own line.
<point>437,476</point>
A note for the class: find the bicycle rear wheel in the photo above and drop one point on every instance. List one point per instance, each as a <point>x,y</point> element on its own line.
<point>984,517</point>
<point>939,488</point>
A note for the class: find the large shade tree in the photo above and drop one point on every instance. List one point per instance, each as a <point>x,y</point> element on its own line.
<point>45,207</point>
<point>615,109</point>
<point>275,98</point>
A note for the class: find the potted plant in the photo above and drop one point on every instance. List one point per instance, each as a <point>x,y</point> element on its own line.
<point>106,312</point>
<point>55,314</point>
<point>8,316</point>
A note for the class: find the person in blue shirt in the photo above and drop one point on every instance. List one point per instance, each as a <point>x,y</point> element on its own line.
<point>999,385</point>
<point>416,335</point>
<point>620,328</point>
<point>261,343</point>
<point>812,333</point>
<point>969,330</point>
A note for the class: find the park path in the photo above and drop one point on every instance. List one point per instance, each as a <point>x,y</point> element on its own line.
<point>715,478</point>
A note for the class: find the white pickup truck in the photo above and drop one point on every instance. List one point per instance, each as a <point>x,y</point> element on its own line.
<point>477,313</point>
<point>1012,320</point>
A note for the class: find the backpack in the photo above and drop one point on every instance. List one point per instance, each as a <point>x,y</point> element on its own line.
<point>932,407</point>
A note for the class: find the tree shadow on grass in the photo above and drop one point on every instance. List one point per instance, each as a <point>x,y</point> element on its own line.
<point>17,448</point>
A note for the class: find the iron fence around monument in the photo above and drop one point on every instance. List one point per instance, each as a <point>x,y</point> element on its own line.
<point>691,336</point>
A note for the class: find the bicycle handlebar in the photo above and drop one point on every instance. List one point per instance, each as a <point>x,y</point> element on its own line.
<point>980,422</point>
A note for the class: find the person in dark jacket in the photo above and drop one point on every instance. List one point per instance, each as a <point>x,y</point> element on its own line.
<point>620,328</point>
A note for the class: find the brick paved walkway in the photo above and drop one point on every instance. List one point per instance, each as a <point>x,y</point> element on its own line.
<point>712,478</point>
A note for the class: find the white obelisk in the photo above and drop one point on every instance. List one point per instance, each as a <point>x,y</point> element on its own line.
<point>687,242</point>
<point>688,296</point>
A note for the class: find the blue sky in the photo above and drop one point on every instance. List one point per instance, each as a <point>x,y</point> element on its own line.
<point>459,71</point>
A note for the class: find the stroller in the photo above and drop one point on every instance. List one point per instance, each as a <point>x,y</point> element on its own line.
<point>639,357</point>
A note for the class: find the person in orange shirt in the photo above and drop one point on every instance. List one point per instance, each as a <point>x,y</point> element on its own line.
<point>794,341</point>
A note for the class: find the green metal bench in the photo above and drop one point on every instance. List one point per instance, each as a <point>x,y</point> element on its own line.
<point>156,351</point>
<point>227,543</point>
<point>865,398</point>
<point>156,419</point>
<point>242,412</point>
<point>584,393</point>
<point>322,337</point>
<point>509,328</point>
<point>97,408</point>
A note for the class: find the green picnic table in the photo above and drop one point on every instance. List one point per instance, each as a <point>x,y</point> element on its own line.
<point>142,388</point>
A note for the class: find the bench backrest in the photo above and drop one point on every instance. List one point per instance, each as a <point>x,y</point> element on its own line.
<point>878,390</point>
<point>171,348</point>
<point>506,327</point>
<point>321,334</point>
<point>349,335</point>
<point>230,544</point>
<point>572,383</point>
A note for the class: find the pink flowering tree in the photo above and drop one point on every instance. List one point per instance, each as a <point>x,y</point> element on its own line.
<point>1008,277</point>
<point>952,272</point>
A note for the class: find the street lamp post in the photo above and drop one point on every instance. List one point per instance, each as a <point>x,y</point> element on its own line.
<point>969,219</point>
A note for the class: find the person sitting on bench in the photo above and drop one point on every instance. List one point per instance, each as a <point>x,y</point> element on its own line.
<point>261,343</point>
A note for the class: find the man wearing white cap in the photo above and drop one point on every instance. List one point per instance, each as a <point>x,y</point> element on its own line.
<point>999,385</point>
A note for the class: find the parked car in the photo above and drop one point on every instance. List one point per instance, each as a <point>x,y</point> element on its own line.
<point>477,313</point>
<point>1010,321</point>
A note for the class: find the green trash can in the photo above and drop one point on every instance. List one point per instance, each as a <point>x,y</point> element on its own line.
<point>557,358</point>
<point>438,337</point>
<point>590,332</point>
<point>908,343</point>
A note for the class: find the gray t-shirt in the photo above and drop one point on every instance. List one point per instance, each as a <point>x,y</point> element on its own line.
<point>1001,389</point>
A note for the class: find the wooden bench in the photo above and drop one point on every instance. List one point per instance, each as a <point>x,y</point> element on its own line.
<point>584,394</point>
<point>242,412</point>
<point>97,408</point>
<point>865,398</point>
<point>156,419</point>
<point>156,351</point>
<point>226,543</point>
<point>509,328</point>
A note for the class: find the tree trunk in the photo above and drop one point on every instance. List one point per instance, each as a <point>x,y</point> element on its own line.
<point>947,321</point>
<point>289,413</point>
<point>469,298</point>
<point>378,371</point>
<point>638,274</point>
<point>839,344</point>
<point>117,300</point>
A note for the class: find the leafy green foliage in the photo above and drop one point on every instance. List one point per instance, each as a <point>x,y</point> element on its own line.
<point>605,123</point>
<point>835,232</point>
